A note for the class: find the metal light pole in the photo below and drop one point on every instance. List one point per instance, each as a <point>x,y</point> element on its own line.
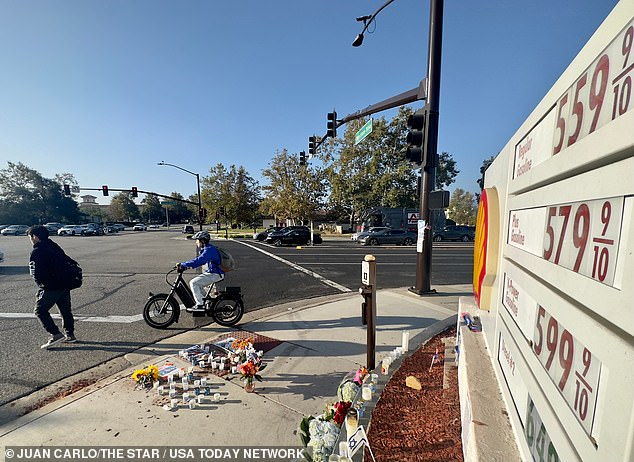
<point>200,204</point>
<point>423,259</point>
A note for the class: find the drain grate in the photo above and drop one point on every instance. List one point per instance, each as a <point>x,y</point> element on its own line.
<point>260,342</point>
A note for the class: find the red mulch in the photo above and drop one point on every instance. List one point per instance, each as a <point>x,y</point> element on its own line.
<point>418,425</point>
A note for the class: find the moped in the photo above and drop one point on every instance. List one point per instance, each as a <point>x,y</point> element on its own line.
<point>162,310</point>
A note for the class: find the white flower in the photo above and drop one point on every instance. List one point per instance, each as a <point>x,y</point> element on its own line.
<point>347,391</point>
<point>323,436</point>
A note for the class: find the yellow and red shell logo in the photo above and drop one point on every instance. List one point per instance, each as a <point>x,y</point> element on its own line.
<point>486,247</point>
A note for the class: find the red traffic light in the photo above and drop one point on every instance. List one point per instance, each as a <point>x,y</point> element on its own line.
<point>67,189</point>
<point>135,192</point>
<point>104,190</point>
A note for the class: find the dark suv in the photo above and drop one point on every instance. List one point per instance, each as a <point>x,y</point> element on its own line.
<point>293,235</point>
<point>455,233</point>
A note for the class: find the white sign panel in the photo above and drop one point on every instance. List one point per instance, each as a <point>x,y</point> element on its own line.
<point>520,305</point>
<point>524,229</point>
<point>421,236</point>
<point>537,437</point>
<point>571,366</point>
<point>536,147</point>
<point>508,356</point>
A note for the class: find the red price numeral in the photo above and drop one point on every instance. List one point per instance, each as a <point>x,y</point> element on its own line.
<point>596,95</point>
<point>552,335</point>
<point>577,110</point>
<point>561,125</point>
<point>587,361</point>
<point>582,400</point>
<point>606,212</point>
<point>580,239</point>
<point>600,263</point>
<point>622,96</point>
<point>550,232</point>
<point>627,44</point>
<point>566,354</point>
<point>564,211</point>
<point>541,312</point>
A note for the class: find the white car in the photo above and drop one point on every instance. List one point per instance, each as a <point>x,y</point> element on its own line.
<point>140,227</point>
<point>70,230</point>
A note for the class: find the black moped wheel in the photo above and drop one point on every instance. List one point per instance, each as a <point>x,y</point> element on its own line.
<point>156,318</point>
<point>228,310</point>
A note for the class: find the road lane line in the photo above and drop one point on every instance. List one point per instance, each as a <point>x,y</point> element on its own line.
<point>112,319</point>
<point>300,268</point>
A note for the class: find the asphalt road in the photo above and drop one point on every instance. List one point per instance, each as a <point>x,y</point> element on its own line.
<point>121,269</point>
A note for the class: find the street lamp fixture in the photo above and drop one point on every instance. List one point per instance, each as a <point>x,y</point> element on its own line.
<point>200,205</point>
<point>367,20</point>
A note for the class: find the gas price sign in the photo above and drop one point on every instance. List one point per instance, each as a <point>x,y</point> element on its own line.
<point>537,438</point>
<point>581,236</point>
<point>601,94</point>
<point>570,365</point>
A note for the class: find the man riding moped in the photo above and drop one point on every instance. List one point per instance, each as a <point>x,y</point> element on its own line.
<point>207,254</point>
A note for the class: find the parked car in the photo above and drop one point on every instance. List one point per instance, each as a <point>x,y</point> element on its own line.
<point>455,233</point>
<point>118,227</point>
<point>70,230</point>
<point>293,235</point>
<point>92,229</point>
<point>261,236</point>
<point>3,226</point>
<point>374,229</point>
<point>53,227</point>
<point>155,226</point>
<point>139,227</point>
<point>14,230</point>
<point>389,236</point>
<point>188,229</point>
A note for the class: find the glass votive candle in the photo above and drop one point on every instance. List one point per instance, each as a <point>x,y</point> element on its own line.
<point>185,396</point>
<point>196,383</point>
<point>385,366</point>
<point>173,403</point>
<point>234,369</point>
<point>214,365</point>
<point>352,421</point>
<point>366,392</point>
<point>172,392</point>
<point>185,386</point>
<point>343,448</point>
<point>203,382</point>
<point>192,404</point>
<point>160,389</point>
<point>199,399</point>
<point>405,341</point>
<point>181,372</point>
<point>202,364</point>
<point>216,397</point>
<point>170,378</point>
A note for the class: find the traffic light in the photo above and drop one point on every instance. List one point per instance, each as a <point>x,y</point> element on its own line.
<point>104,190</point>
<point>332,125</point>
<point>302,158</point>
<point>415,137</point>
<point>135,192</point>
<point>67,189</point>
<point>312,145</point>
<point>222,210</point>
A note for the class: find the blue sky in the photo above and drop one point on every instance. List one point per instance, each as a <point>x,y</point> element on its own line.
<point>106,89</point>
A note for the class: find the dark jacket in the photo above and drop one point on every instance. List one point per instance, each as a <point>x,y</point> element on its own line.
<point>45,265</point>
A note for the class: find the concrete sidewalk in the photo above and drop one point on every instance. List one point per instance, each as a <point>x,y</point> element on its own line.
<point>321,341</point>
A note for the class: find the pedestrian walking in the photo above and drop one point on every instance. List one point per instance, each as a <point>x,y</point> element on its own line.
<point>49,267</point>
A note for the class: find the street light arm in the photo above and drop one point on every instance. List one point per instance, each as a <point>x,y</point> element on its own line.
<point>359,39</point>
<point>176,166</point>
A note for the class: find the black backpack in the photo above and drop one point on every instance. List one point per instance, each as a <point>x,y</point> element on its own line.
<point>71,274</point>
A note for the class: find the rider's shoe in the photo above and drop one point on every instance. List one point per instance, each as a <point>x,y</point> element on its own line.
<point>196,309</point>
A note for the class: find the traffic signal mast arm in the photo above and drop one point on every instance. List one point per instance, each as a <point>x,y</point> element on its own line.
<point>142,192</point>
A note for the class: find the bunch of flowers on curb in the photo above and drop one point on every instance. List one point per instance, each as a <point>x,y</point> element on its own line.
<point>248,360</point>
<point>319,434</point>
<point>145,377</point>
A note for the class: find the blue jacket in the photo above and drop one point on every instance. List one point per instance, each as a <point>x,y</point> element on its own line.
<point>208,255</point>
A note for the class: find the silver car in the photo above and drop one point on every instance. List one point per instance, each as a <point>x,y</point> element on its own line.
<point>14,230</point>
<point>389,236</point>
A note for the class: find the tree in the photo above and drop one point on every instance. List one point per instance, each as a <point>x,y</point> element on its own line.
<point>372,173</point>
<point>235,190</point>
<point>446,170</point>
<point>27,197</point>
<point>483,169</point>
<point>295,192</point>
<point>123,208</point>
<point>462,208</point>
<point>153,209</point>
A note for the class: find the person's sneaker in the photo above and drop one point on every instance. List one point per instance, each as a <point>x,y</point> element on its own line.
<point>196,309</point>
<point>70,338</point>
<point>53,340</point>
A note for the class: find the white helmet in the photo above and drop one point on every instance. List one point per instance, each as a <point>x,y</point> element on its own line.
<point>202,236</point>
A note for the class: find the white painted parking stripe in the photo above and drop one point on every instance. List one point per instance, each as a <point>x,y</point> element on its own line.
<point>111,319</point>
<point>299,268</point>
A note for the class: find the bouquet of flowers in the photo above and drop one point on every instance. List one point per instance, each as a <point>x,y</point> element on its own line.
<point>319,434</point>
<point>146,377</point>
<point>249,370</point>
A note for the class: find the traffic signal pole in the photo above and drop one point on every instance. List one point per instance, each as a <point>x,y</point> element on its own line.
<point>423,253</point>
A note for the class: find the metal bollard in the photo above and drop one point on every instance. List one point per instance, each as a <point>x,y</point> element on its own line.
<point>368,307</point>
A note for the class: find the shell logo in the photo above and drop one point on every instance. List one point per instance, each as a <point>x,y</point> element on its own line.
<point>485,249</point>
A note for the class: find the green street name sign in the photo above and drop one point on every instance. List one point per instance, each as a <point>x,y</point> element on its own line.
<point>363,132</point>
<point>168,202</point>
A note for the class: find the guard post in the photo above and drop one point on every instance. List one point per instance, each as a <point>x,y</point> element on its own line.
<point>368,307</point>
